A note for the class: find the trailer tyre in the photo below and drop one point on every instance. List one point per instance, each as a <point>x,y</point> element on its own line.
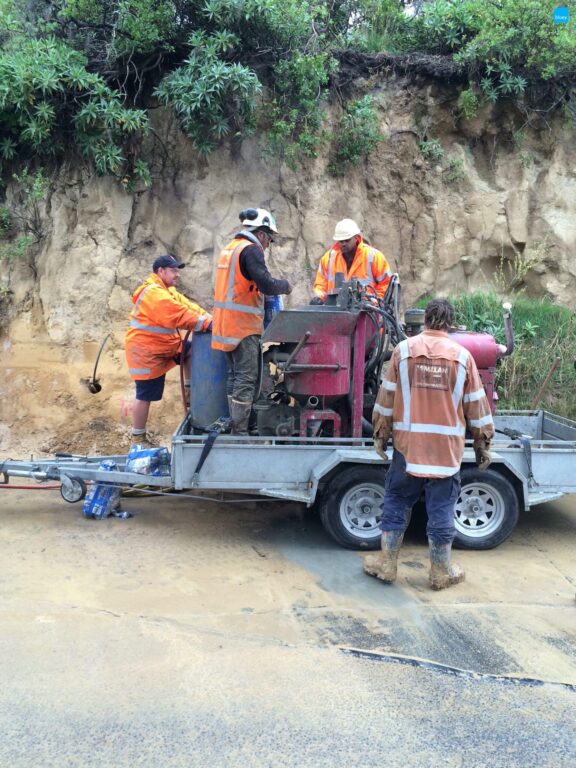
<point>350,507</point>
<point>487,510</point>
<point>73,489</point>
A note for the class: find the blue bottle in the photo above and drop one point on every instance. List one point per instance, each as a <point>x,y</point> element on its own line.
<point>102,497</point>
<point>148,461</point>
<point>272,305</point>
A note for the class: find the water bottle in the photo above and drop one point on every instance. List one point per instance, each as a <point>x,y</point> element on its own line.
<point>272,305</point>
<point>102,497</point>
<point>148,461</point>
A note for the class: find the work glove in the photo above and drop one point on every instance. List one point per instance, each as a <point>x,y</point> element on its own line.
<point>380,446</point>
<point>483,455</point>
<point>317,300</point>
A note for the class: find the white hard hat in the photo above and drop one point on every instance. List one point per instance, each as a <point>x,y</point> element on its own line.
<point>258,217</point>
<point>346,229</point>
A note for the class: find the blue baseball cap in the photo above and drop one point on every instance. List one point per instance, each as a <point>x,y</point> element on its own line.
<point>167,261</point>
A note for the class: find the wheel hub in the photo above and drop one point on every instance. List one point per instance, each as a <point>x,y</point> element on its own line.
<point>361,509</point>
<point>473,507</point>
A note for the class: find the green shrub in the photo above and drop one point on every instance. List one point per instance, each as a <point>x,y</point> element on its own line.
<point>5,222</point>
<point>210,96</point>
<point>454,170</point>
<point>468,103</point>
<point>293,118</point>
<point>375,26</point>
<point>16,249</point>
<point>79,74</point>
<point>21,225</point>
<point>431,149</point>
<point>504,45</point>
<point>48,97</point>
<point>357,135</point>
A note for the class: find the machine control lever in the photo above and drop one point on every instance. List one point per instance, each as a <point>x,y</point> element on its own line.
<point>297,349</point>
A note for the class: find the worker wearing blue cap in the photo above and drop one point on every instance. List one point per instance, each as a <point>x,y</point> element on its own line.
<point>153,344</point>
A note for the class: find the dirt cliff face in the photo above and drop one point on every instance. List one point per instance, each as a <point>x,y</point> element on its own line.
<point>499,203</point>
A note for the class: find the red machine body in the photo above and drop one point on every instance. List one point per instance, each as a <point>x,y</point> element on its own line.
<point>322,365</point>
<point>486,352</point>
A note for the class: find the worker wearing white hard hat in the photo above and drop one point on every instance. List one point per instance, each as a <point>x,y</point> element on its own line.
<point>354,258</point>
<point>242,281</point>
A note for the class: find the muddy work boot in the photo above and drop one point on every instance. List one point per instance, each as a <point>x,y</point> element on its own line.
<point>239,417</point>
<point>443,573</point>
<point>145,439</point>
<point>384,564</point>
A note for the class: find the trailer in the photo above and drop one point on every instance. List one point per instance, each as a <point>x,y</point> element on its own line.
<point>320,373</point>
<point>534,461</point>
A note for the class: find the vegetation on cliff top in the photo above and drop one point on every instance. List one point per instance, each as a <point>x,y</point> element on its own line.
<point>84,75</point>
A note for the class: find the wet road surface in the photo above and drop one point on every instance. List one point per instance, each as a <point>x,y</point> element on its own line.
<point>196,634</point>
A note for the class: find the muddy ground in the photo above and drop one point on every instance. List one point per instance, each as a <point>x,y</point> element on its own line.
<point>198,634</point>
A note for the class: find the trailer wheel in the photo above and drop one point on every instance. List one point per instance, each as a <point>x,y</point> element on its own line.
<point>73,489</point>
<point>487,510</point>
<point>350,507</point>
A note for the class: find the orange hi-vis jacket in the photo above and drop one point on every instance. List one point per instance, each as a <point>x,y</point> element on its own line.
<point>369,266</point>
<point>431,393</point>
<point>152,340</point>
<point>238,305</point>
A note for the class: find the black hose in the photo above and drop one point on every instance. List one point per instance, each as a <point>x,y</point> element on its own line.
<point>372,362</point>
<point>182,359</point>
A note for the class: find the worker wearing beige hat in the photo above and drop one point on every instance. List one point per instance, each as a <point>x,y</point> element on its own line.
<point>354,258</point>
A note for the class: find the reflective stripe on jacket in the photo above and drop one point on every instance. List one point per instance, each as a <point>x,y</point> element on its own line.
<point>431,393</point>
<point>238,305</point>
<point>152,340</point>
<point>369,266</point>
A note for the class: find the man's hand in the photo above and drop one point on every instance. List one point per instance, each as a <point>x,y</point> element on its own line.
<point>380,446</point>
<point>317,300</point>
<point>483,455</point>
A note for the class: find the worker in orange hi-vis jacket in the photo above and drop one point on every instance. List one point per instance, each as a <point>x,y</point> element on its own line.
<point>354,258</point>
<point>242,281</point>
<point>153,344</point>
<point>431,394</point>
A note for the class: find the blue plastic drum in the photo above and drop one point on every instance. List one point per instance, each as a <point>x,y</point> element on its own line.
<point>208,374</point>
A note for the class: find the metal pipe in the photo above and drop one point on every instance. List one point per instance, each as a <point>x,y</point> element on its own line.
<point>313,402</point>
<point>508,330</point>
<point>301,367</point>
<point>27,473</point>
<point>545,384</point>
<point>31,487</point>
<point>295,351</point>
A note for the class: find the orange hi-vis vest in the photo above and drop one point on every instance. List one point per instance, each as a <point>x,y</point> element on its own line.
<point>369,266</point>
<point>238,305</point>
<point>431,393</point>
